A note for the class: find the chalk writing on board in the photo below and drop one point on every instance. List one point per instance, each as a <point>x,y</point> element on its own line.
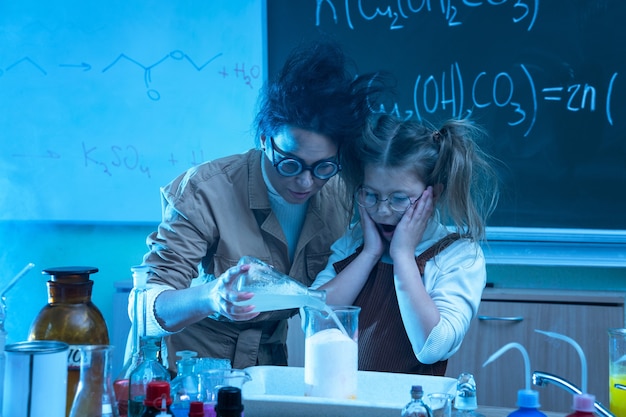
<point>247,74</point>
<point>115,158</point>
<point>523,11</point>
<point>147,69</point>
<point>518,93</point>
<point>23,61</point>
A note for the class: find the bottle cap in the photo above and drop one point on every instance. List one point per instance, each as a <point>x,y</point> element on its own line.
<point>228,399</point>
<point>196,409</point>
<point>585,403</point>
<point>156,391</point>
<point>70,274</point>
<point>528,398</point>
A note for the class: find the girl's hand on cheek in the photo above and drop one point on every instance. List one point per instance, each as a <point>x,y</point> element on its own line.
<point>372,242</point>
<point>410,229</point>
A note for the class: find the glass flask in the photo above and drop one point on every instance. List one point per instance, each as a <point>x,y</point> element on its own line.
<point>149,369</point>
<point>186,386</point>
<point>70,317</point>
<point>274,290</point>
<point>137,332</point>
<point>94,393</point>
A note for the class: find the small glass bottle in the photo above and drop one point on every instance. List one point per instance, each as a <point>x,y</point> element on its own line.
<point>416,407</point>
<point>137,332</point>
<point>150,369</point>
<point>186,386</point>
<point>70,317</point>
<point>465,401</point>
<point>158,400</point>
<point>94,395</point>
<point>229,402</point>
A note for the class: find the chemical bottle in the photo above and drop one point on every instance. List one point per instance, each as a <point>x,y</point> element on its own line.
<point>196,409</point>
<point>527,399</point>
<point>186,386</point>
<point>416,407</point>
<point>137,333</point>
<point>229,402</point>
<point>528,404</point>
<point>465,400</point>
<point>583,404</point>
<point>70,317</point>
<point>148,370</point>
<point>274,290</point>
<point>157,401</point>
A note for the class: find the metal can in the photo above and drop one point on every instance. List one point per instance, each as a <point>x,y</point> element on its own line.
<point>35,379</point>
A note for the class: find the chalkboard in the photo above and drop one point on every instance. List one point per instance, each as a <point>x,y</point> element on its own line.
<point>547,79</point>
<point>102,103</point>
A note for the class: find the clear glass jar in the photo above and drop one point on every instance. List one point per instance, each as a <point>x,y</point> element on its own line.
<point>186,386</point>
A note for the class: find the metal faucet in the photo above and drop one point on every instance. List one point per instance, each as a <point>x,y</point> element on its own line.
<point>542,378</point>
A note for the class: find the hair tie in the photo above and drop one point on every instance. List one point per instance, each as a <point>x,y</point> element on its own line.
<point>437,136</point>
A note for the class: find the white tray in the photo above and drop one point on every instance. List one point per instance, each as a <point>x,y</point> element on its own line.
<point>276,391</point>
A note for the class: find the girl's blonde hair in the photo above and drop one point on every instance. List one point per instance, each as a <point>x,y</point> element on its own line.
<point>449,156</point>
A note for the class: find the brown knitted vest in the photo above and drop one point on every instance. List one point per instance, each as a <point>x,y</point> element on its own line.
<point>383,343</point>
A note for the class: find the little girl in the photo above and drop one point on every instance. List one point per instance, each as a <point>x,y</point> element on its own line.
<point>412,259</point>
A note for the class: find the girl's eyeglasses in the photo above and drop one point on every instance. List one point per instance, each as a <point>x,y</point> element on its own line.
<point>397,201</point>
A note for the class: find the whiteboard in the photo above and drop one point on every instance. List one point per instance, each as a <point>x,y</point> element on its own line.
<point>102,103</point>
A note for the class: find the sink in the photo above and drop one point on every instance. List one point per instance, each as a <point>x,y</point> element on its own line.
<point>278,391</point>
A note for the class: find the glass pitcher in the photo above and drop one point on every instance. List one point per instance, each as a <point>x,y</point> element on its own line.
<point>617,372</point>
<point>331,351</point>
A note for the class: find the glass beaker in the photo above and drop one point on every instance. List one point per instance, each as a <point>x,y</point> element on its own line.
<point>331,351</point>
<point>274,290</point>
<point>440,403</point>
<point>214,379</point>
<point>94,393</point>
<point>617,371</point>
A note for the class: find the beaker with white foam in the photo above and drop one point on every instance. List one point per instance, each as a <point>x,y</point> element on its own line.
<point>331,351</point>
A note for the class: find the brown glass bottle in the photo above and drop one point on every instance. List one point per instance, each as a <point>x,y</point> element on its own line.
<point>70,317</point>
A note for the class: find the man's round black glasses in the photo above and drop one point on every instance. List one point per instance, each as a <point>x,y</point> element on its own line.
<point>292,166</point>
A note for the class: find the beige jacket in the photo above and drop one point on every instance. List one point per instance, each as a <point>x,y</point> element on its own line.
<point>213,215</point>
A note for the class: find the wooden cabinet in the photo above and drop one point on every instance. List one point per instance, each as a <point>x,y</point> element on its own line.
<point>511,315</point>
